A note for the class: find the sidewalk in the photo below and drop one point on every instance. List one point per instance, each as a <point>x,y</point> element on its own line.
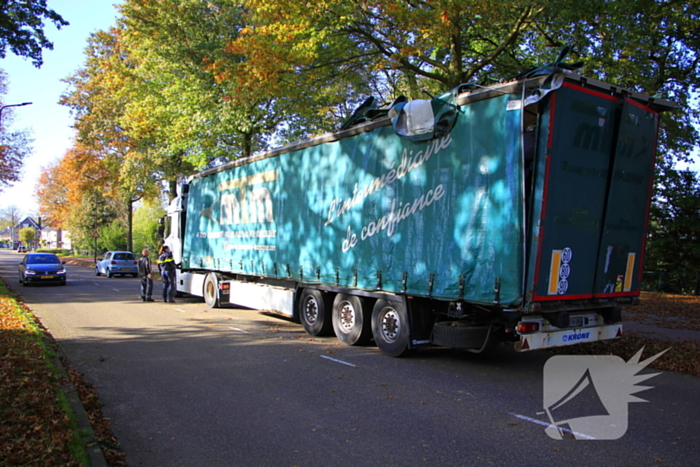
<point>653,328</point>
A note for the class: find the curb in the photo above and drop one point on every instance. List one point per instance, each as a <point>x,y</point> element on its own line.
<point>92,446</point>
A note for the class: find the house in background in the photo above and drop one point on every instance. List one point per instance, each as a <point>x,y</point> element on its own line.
<point>46,236</point>
<point>10,236</point>
<point>55,238</point>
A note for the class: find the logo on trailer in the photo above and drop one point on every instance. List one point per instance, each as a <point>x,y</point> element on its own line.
<point>247,204</point>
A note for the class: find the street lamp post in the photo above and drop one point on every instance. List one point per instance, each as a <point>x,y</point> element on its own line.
<point>12,105</point>
<point>12,229</point>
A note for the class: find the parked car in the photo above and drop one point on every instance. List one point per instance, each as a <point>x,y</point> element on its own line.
<point>42,268</point>
<point>21,249</point>
<point>117,262</point>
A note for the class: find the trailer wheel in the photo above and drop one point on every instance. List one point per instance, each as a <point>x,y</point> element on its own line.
<point>352,322</point>
<point>390,327</point>
<point>211,291</point>
<point>315,312</point>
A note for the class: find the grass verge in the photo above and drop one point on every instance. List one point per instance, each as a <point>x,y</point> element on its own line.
<point>37,425</point>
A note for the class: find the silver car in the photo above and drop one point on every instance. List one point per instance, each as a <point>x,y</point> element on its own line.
<point>117,262</point>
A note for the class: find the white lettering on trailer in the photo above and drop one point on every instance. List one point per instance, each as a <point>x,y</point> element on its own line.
<point>389,221</point>
<point>409,161</point>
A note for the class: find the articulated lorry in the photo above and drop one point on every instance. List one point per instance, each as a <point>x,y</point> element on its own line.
<point>514,212</point>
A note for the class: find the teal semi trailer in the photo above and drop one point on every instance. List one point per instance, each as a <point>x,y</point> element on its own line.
<point>514,212</point>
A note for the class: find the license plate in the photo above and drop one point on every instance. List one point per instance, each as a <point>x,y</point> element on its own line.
<point>47,277</point>
<point>576,322</point>
<point>126,269</point>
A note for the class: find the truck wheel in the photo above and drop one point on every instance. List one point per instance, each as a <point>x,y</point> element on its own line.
<point>211,291</point>
<point>352,322</point>
<point>315,312</point>
<point>390,327</point>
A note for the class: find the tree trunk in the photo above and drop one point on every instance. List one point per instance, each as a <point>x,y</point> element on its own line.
<point>130,224</point>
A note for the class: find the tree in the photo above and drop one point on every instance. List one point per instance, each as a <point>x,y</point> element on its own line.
<point>112,237</point>
<point>146,226</point>
<point>15,146</point>
<point>10,217</point>
<point>27,235</point>
<point>97,101</point>
<point>673,248</point>
<point>649,46</point>
<point>183,107</point>
<point>22,28</point>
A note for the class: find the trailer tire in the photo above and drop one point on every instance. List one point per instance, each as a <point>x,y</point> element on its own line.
<point>352,321</point>
<point>390,328</point>
<point>315,312</point>
<point>211,291</point>
<point>458,335</point>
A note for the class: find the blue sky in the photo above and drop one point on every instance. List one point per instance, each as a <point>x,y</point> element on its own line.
<point>48,121</point>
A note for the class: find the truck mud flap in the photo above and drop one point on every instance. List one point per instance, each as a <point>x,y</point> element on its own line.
<point>545,340</point>
<point>459,336</point>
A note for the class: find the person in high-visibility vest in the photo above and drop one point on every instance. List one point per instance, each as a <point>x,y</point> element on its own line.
<point>166,263</point>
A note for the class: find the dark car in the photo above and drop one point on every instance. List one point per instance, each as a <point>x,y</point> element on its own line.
<point>42,268</point>
<point>117,262</point>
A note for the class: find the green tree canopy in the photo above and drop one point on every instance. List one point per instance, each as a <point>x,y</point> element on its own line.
<point>673,249</point>
<point>22,28</point>
<point>27,235</point>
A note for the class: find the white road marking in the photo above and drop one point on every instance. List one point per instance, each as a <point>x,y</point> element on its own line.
<point>181,311</point>
<point>96,283</point>
<point>540,422</point>
<point>239,330</point>
<point>116,290</point>
<point>338,361</point>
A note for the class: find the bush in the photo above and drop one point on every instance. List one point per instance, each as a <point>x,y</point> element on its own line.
<point>55,251</point>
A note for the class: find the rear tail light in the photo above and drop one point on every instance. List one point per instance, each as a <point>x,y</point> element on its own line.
<point>224,286</point>
<point>113,262</point>
<point>525,328</point>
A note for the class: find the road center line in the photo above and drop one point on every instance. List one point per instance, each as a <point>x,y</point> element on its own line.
<point>338,361</point>
<point>239,330</point>
<point>540,422</point>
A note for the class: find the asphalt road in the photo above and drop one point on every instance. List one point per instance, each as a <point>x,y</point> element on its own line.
<point>185,385</point>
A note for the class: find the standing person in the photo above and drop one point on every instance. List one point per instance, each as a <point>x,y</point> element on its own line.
<point>167,273</point>
<point>145,274</point>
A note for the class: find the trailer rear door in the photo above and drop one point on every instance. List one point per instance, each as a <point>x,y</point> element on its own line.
<point>626,222</point>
